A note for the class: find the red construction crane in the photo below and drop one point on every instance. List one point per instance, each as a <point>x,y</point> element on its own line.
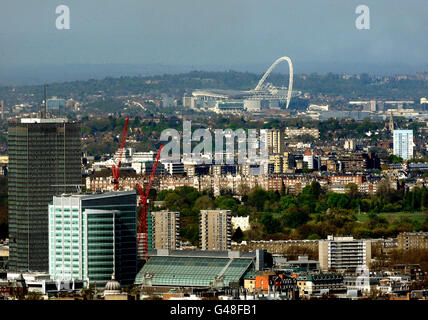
<point>116,169</point>
<point>143,201</point>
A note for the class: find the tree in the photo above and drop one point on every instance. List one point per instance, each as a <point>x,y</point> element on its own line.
<point>395,159</point>
<point>270,224</point>
<point>257,198</point>
<point>203,203</point>
<point>238,235</point>
<point>296,217</point>
<point>351,189</point>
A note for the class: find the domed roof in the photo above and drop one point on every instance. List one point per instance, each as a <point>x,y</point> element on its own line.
<point>112,286</point>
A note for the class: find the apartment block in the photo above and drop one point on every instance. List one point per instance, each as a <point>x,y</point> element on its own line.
<point>412,240</point>
<point>164,230</point>
<point>215,230</point>
<point>343,253</point>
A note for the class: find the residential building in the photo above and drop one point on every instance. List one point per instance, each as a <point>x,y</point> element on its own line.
<point>276,142</point>
<point>164,230</point>
<point>294,132</point>
<point>403,144</point>
<point>412,240</point>
<point>173,168</point>
<point>343,253</point>
<point>313,284</point>
<point>241,222</point>
<point>277,246</point>
<point>215,230</point>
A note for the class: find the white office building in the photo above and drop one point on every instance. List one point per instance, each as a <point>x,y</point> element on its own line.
<point>344,253</point>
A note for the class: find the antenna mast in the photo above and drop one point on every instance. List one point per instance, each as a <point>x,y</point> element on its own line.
<point>45,102</point>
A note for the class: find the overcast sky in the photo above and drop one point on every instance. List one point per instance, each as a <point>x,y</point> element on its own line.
<point>216,32</point>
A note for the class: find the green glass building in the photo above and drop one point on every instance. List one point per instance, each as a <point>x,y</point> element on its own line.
<point>93,236</point>
<point>44,160</point>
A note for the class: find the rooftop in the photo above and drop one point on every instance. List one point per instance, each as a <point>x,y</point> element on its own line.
<point>42,120</point>
<point>193,271</point>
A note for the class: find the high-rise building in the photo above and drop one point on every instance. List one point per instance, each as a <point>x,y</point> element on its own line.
<point>215,230</point>
<point>403,144</point>
<point>276,142</point>
<point>309,159</point>
<point>44,160</point>
<point>278,163</point>
<point>164,230</point>
<point>343,253</point>
<point>94,236</point>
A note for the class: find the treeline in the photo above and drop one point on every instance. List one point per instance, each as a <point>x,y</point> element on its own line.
<point>364,86</point>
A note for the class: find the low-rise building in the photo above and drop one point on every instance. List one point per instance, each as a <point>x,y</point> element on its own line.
<point>313,284</point>
<point>412,240</point>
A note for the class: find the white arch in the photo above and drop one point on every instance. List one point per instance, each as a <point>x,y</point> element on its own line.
<point>290,81</point>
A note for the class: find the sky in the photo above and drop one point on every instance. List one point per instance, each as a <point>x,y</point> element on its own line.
<point>318,35</point>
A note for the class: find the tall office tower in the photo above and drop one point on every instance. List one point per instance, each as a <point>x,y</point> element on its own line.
<point>2,110</point>
<point>403,144</point>
<point>215,230</point>
<point>276,142</point>
<point>93,236</point>
<point>343,253</point>
<point>164,230</point>
<point>44,160</point>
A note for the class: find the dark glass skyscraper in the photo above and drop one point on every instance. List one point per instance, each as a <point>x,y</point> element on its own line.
<point>44,160</point>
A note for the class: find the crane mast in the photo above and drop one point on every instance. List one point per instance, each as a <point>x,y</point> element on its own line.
<point>143,201</point>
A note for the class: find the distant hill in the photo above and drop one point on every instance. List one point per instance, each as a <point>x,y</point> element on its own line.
<point>362,86</point>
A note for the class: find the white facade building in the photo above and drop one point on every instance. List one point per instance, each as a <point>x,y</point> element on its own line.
<point>343,253</point>
<point>403,144</point>
<point>242,222</point>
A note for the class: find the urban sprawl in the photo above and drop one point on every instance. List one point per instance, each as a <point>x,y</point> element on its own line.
<point>337,210</point>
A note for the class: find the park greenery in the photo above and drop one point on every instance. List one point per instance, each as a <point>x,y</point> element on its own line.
<point>312,214</point>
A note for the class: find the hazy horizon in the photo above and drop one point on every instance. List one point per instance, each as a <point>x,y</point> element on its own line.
<point>143,37</point>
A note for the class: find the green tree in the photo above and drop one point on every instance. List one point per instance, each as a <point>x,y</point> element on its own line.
<point>270,224</point>
<point>296,217</point>
<point>238,235</point>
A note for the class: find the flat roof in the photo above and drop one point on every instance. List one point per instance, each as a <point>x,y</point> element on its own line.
<point>84,196</point>
<point>42,120</point>
<point>202,253</point>
<point>188,271</point>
